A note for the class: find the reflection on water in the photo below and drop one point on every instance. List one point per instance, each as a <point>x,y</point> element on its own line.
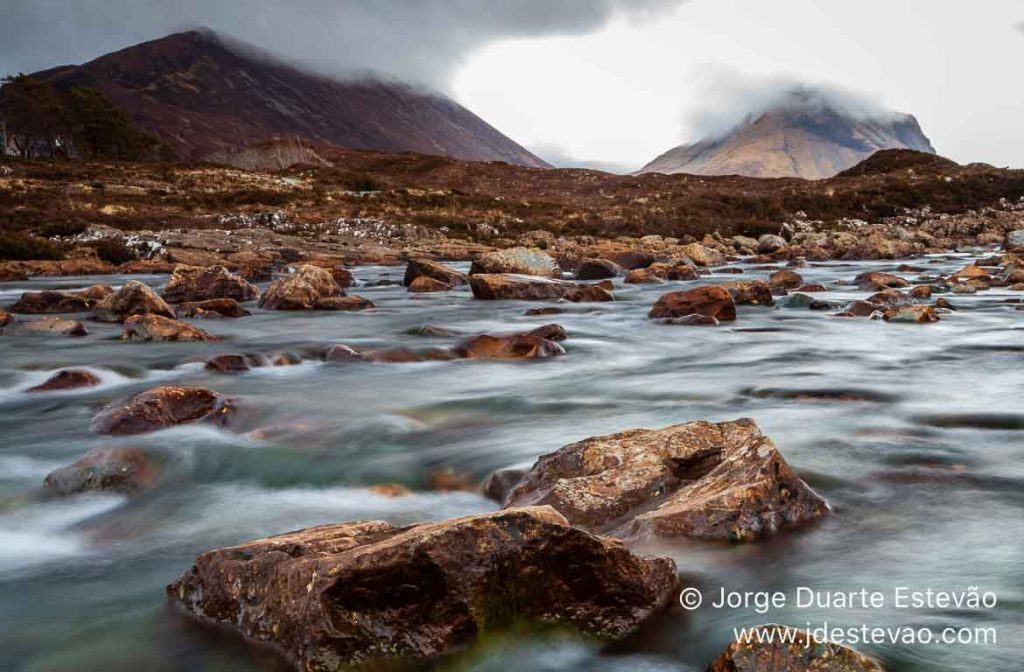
<point>913,432</point>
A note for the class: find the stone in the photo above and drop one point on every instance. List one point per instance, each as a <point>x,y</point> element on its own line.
<point>305,289</point>
<point>597,269</point>
<point>432,330</point>
<point>547,310</point>
<point>338,303</point>
<point>530,288</point>
<point>68,379</point>
<point>921,292</point>
<point>191,284</point>
<point>631,259</point>
<point>862,308</point>
<point>5,318</point>
<point>552,332</point>
<point>48,326</point>
<point>891,298</point>
<point>920,314</point>
<point>214,309</point>
<point>424,284</point>
<point>701,480</point>
<point>769,243</point>
<point>356,593</point>
<point>121,469</point>
<point>516,261</point>
<point>875,280</point>
<point>234,363</point>
<point>811,288</point>
<point>711,300</point>
<point>744,244</point>
<point>1014,241</point>
<point>785,279</point>
<point>692,321</point>
<point>507,346</point>
<point>158,328</point>
<point>497,486</point>
<point>969,272</point>
<point>661,271</point>
<point>419,268</point>
<point>162,407</point>
<point>49,302</point>
<point>134,298</point>
<point>780,648</point>
<point>703,256</point>
<point>753,292</point>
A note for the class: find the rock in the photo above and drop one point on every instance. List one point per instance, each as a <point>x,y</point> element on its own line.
<point>159,328</point>
<point>530,288</point>
<point>391,490</point>
<point>692,321</point>
<point>516,261</point>
<point>234,363</point>
<point>631,259</point>
<point>68,379</point>
<point>356,593</point>
<point>963,288</point>
<point>432,330</point>
<point>703,256</point>
<point>160,408</point>
<point>921,292</point>
<point>699,480</point>
<point>785,279</point>
<point>789,650</point>
<point>342,353</point>
<point>597,269</point>
<point>755,292</point>
<point>744,244</point>
<point>812,288</point>
<point>769,243</point>
<point>134,298</point>
<point>307,288</point>
<point>862,308</point>
<point>48,326</point>
<point>122,469</point>
<point>146,266</point>
<point>944,303</point>
<point>48,301</point>
<point>971,271</point>
<point>1014,241</point>
<point>662,271</point>
<point>339,303</point>
<point>507,346</point>
<point>211,309</point>
<point>12,272</point>
<point>891,298</point>
<point>875,280</point>
<point>449,480</point>
<point>547,310</point>
<point>5,318</point>
<point>728,270</point>
<point>711,300</point>
<point>192,284</point>
<point>911,314</point>
<point>497,486</point>
<point>552,332</point>
<point>419,268</point>
<point>424,284</point>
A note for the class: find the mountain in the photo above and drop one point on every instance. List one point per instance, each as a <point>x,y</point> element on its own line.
<point>202,93</point>
<point>806,135</point>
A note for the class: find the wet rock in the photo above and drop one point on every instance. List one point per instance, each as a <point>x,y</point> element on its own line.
<point>122,469</point>
<point>391,490</point>
<point>944,303</point>
<point>891,298</point>
<point>343,353</point>
<point>911,314</point>
<point>728,270</point>
<point>159,328</point>
<point>432,330</point>
<point>744,244</point>
<point>530,288</point>
<point>234,363</point>
<point>212,309</point>
<point>875,280</point>
<point>548,310</point>
<point>497,486</point>
<point>862,308</point>
<point>597,269</point>
<point>160,408</point>
<point>921,292</point>
<point>969,272</point>
<point>339,303</point>
<point>754,292</point>
<point>785,279</point>
<point>516,261</point>
<point>692,321</point>
<point>1014,241</point>
<point>907,268</point>
<point>307,288</point>
<point>631,259</point>
<point>68,379</point>
<point>335,595</point>
<point>769,243</point>
<point>449,480</point>
<point>5,318</point>
<point>48,301</point>
<point>812,288</point>
<point>766,652</point>
<point>419,268</point>
<point>192,284</point>
<point>703,256</point>
<point>699,480</point>
<point>48,326</point>
<point>710,300</point>
<point>552,332</point>
<point>284,358</point>
<point>660,272</point>
<point>507,346</point>
<point>134,298</point>
<point>963,288</point>
<point>407,356</point>
<point>424,284</point>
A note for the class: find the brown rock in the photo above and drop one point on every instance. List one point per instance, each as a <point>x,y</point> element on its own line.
<point>597,269</point>
<point>547,310</point>
<point>5,318</point>
<point>662,271</point>
<point>875,280</point>
<point>121,469</point>
<point>801,652</point>
<point>301,290</point>
<point>424,284</point>
<point>234,363</point>
<point>711,300</point>
<point>911,314</point>
<point>419,268</point>
<point>159,328</point>
<point>552,332</point>
<point>146,266</point>
<point>528,288</point>
<point>785,279</point>
<point>692,321</point>
<point>971,271</point>
<point>891,298</point>
<point>921,292</point>
<point>135,298</point>
<point>160,408</point>
<point>703,256</point>
<point>352,302</point>
<point>754,292</point>
<point>335,595</point>
<point>48,326</point>
<point>631,259</point>
<point>516,261</point>
<point>700,480</point>
<point>68,379</point>
<point>48,301</point>
<point>389,490</point>
<point>507,346</point>
<point>862,308</point>
<point>191,284</point>
<point>211,309</point>
<point>497,486</point>
<point>811,289</point>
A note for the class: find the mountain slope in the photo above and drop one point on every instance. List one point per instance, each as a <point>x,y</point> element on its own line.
<point>203,94</point>
<point>804,137</point>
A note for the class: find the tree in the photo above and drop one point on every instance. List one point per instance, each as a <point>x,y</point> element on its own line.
<point>34,116</point>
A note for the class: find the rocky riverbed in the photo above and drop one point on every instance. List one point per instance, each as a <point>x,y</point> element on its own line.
<point>150,420</point>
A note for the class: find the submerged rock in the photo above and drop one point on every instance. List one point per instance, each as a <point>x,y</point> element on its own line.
<point>710,300</point>
<point>920,314</point>
<point>336,595</point>
<point>123,469</point>
<point>306,289</point>
<point>212,309</point>
<point>701,480</point>
<point>235,363</point>
<point>516,261</point>
<point>158,328</point>
<point>424,268</point>
<point>160,408</point>
<point>48,326</point>
<point>68,379</point>
<point>49,301</point>
<point>196,283</point>
<point>134,298</point>
<point>875,280</point>
<point>779,648</point>
<point>507,346</point>
<point>528,288</point>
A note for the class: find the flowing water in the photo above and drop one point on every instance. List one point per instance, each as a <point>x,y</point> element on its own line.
<point>921,456</point>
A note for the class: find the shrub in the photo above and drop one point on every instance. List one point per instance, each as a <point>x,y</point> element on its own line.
<point>62,229</point>
<point>24,247</point>
<point>114,251</point>
<point>362,182</point>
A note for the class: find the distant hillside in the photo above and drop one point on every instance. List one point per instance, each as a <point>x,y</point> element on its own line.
<point>202,93</point>
<point>805,137</point>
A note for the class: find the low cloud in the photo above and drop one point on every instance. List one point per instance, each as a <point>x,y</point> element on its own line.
<point>559,157</point>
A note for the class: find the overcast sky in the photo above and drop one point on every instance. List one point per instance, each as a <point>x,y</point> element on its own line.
<point>608,83</point>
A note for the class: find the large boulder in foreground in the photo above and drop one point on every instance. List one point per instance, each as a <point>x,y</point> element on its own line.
<point>308,288</point>
<point>160,408</point>
<point>779,648</point>
<point>700,480</point>
<point>709,300</point>
<point>198,283</point>
<point>418,268</point>
<point>518,261</point>
<point>158,328</point>
<point>528,288</point>
<point>134,298</point>
<point>352,593</point>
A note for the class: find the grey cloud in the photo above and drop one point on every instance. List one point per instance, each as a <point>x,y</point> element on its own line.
<point>559,157</point>
<point>416,40</point>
